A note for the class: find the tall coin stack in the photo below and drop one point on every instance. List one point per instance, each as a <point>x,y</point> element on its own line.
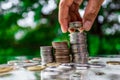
<point>61,52</point>
<point>46,54</point>
<point>78,46</point>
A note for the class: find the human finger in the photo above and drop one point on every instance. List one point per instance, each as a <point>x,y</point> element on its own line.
<point>91,12</point>
<point>63,14</point>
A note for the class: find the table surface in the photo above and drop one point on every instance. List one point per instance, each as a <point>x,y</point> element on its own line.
<point>111,72</point>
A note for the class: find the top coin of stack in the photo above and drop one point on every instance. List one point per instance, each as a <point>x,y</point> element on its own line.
<point>74,26</point>
<point>46,54</point>
<point>61,52</point>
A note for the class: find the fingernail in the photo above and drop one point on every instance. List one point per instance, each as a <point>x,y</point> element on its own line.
<point>64,30</point>
<point>81,29</point>
<point>87,25</point>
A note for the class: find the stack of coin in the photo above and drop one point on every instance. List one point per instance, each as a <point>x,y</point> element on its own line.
<point>61,52</point>
<point>79,46</point>
<point>46,54</point>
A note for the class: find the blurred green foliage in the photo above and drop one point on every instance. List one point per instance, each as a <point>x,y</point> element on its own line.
<point>18,38</point>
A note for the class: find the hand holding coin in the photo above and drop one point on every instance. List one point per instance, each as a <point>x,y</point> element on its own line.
<point>68,12</point>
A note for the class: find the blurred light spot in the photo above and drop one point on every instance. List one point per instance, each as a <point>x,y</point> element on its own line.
<point>6,5</point>
<point>106,2</point>
<point>42,2</point>
<point>109,31</point>
<point>112,6</point>
<point>48,8</point>
<point>14,2</point>
<point>85,3</point>
<point>27,21</point>
<point>35,5</point>
<point>100,18</point>
<point>119,18</point>
<point>31,13</point>
<point>115,28</point>
<point>43,21</point>
<point>81,11</point>
<point>19,35</point>
<point>113,17</point>
<point>24,14</point>
<point>0,11</point>
<point>14,10</point>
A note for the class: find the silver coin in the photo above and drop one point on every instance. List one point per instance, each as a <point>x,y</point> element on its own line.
<point>84,60</point>
<point>75,41</point>
<point>47,60</point>
<point>79,59</point>
<point>75,51</point>
<point>78,39</point>
<point>46,51</point>
<point>76,24</point>
<point>45,48</point>
<point>62,56</point>
<point>79,46</point>
<point>84,55</point>
<point>60,45</point>
<point>45,55</point>
<point>78,34</point>
<point>79,51</point>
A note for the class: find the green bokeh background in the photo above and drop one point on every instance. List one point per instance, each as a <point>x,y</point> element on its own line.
<point>103,38</point>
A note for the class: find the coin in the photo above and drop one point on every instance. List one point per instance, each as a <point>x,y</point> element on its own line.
<point>60,45</point>
<point>97,65</point>
<point>85,54</point>
<point>76,51</point>
<point>62,50</point>
<point>63,61</point>
<point>46,48</point>
<point>53,64</point>
<point>78,35</point>
<point>63,58</point>
<point>73,26</point>
<point>79,46</point>
<point>84,60</point>
<point>100,73</point>
<point>77,41</point>
<point>113,62</point>
<point>61,54</point>
<point>6,69</point>
<point>36,68</point>
<point>78,58</point>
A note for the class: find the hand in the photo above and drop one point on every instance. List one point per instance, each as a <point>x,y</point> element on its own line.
<point>68,12</point>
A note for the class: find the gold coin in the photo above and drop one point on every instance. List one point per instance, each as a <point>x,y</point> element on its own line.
<point>113,62</point>
<point>36,68</point>
<point>5,69</point>
<point>53,64</point>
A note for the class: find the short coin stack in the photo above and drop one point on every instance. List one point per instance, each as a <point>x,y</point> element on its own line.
<point>79,47</point>
<point>46,54</point>
<point>61,52</point>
